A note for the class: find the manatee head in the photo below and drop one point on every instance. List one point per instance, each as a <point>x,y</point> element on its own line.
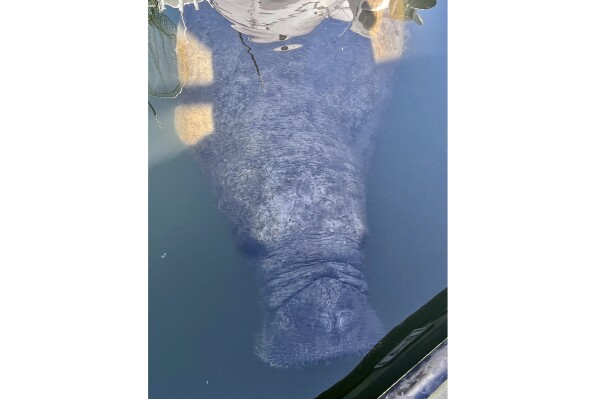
<point>327,319</point>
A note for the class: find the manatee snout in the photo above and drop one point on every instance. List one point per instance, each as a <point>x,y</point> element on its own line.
<point>340,321</point>
<point>326,320</point>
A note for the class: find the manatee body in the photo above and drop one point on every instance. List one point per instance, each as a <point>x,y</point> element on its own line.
<point>287,150</point>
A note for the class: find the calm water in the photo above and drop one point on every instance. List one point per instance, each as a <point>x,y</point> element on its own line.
<point>203,299</point>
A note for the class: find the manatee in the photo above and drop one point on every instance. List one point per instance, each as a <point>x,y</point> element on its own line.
<point>283,125</point>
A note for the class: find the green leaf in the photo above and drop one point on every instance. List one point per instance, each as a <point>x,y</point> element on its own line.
<point>422,4</point>
<point>409,13</point>
<point>417,18</point>
<point>163,74</point>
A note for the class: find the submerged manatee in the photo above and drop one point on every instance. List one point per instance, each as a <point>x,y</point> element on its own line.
<point>284,137</point>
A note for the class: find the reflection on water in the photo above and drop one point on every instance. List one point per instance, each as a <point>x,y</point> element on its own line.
<point>270,21</point>
<point>196,118</point>
<point>267,22</point>
<point>162,58</point>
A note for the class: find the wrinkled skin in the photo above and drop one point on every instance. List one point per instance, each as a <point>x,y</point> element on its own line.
<point>288,161</point>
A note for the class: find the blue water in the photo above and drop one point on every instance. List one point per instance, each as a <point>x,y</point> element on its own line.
<point>203,299</point>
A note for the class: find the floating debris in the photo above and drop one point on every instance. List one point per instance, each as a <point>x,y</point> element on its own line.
<point>287,47</point>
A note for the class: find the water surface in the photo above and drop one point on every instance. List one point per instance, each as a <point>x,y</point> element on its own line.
<point>203,297</point>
